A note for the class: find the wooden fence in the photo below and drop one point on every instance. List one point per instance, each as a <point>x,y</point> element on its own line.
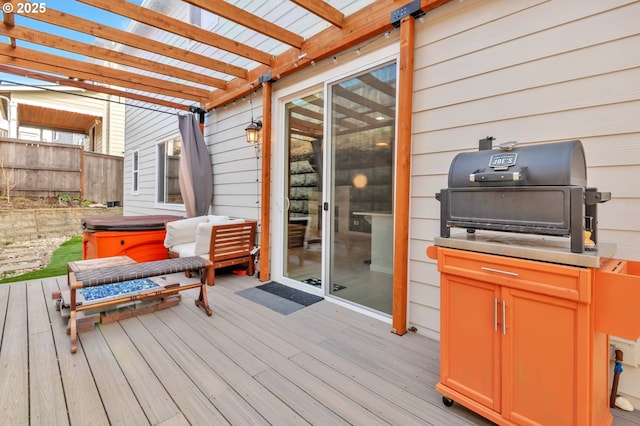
<point>40,170</point>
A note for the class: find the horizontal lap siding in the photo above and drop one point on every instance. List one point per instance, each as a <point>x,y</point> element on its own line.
<point>234,164</point>
<point>236,170</point>
<point>144,130</point>
<point>532,72</point>
<point>116,115</point>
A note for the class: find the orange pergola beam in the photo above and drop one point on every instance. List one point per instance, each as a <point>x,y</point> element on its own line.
<point>403,177</point>
<point>265,213</point>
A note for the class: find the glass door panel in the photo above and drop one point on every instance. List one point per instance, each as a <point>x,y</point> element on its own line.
<point>303,215</point>
<point>362,114</point>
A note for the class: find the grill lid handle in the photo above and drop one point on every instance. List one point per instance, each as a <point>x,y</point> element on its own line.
<point>593,197</point>
<point>498,176</point>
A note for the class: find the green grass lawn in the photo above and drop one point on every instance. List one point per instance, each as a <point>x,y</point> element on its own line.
<point>67,252</point>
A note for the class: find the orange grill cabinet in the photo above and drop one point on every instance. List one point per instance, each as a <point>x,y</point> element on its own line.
<point>527,342</point>
<point>139,237</point>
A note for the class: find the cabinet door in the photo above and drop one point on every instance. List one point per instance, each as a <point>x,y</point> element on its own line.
<point>470,340</point>
<point>541,359</point>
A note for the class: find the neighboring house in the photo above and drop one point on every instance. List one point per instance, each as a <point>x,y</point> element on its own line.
<point>529,71</point>
<point>61,114</point>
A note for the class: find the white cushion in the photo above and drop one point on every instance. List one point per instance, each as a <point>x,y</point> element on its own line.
<point>184,250</point>
<point>216,219</point>
<point>182,231</point>
<point>203,235</point>
<point>203,239</point>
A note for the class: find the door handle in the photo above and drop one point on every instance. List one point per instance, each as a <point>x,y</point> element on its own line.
<point>499,271</point>
<point>504,318</point>
<point>495,313</point>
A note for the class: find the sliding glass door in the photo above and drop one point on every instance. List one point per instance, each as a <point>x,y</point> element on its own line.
<point>362,135</point>
<point>338,215</point>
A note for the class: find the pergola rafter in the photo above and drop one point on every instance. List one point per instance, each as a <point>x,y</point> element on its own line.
<point>184,74</point>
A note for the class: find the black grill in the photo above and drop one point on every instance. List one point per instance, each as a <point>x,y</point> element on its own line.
<point>536,189</point>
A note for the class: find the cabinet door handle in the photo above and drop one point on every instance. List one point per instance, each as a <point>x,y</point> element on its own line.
<point>495,313</point>
<point>504,318</point>
<point>499,271</point>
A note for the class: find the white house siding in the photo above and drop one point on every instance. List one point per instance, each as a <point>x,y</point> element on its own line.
<point>234,164</point>
<point>236,170</point>
<point>144,129</point>
<point>114,127</point>
<point>529,71</point>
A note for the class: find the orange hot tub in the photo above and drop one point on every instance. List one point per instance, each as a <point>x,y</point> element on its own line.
<point>139,237</point>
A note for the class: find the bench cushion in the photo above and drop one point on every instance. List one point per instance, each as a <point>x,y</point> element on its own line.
<point>120,273</point>
<point>184,250</point>
<point>182,231</point>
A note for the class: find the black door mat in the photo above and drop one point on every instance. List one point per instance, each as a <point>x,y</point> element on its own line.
<point>278,297</point>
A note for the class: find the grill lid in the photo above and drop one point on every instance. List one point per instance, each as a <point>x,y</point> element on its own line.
<point>551,164</point>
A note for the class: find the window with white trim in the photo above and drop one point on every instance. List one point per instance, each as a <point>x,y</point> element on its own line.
<point>168,187</point>
<point>135,171</point>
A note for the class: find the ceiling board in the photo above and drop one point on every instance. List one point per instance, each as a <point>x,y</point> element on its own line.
<point>56,119</point>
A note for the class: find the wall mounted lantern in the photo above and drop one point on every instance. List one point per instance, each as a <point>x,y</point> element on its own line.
<point>253,131</point>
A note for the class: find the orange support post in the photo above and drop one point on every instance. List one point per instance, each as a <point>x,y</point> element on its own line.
<point>265,216</point>
<point>403,176</point>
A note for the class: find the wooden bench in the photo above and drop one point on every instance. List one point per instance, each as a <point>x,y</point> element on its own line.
<point>230,244</point>
<point>126,271</point>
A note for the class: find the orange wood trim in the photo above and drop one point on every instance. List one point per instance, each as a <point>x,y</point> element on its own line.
<point>265,212</point>
<point>403,176</point>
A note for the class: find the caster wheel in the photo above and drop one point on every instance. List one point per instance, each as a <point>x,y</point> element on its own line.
<point>446,401</point>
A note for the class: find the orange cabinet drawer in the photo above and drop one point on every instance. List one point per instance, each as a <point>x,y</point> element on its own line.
<point>617,292</point>
<point>567,282</point>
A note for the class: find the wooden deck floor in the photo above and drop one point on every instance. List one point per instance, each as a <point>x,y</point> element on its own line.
<point>246,364</point>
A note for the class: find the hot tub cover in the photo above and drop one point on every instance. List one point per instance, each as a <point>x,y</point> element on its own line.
<point>126,223</point>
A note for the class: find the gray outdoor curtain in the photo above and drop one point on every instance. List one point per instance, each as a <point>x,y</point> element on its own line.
<point>196,176</point>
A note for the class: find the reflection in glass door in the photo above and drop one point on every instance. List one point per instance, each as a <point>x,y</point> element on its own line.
<point>362,125</point>
<point>303,214</point>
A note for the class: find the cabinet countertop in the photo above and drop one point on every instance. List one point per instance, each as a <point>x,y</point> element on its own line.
<point>532,247</point>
